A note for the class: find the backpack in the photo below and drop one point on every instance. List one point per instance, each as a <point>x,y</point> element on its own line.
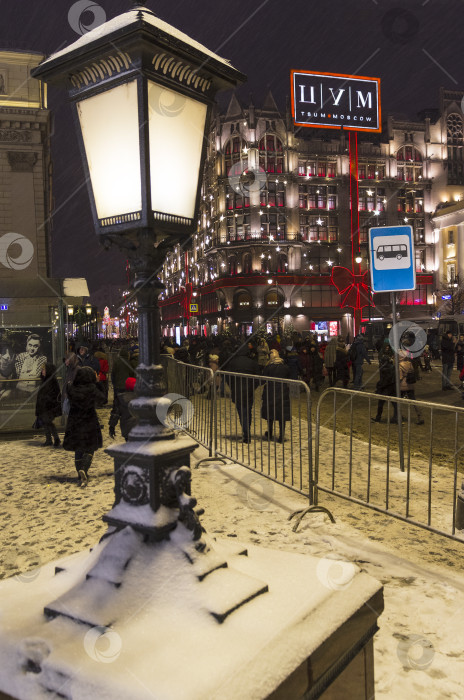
<point>410,377</point>
<point>353,352</point>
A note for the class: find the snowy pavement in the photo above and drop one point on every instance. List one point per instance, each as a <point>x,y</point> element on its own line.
<point>418,650</point>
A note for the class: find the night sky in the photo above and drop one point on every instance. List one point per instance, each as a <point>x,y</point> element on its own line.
<point>413,46</point>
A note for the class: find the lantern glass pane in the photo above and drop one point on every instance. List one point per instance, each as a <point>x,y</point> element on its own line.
<point>176,126</point>
<point>110,129</point>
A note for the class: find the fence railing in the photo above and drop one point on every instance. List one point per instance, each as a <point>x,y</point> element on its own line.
<point>357,456</point>
<point>353,455</point>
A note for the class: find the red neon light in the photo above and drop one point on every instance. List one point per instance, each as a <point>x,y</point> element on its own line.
<point>354,289</point>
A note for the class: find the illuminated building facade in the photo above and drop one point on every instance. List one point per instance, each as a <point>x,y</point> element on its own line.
<point>275,219</point>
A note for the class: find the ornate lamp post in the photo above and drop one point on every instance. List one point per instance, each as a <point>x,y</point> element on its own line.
<point>142,94</point>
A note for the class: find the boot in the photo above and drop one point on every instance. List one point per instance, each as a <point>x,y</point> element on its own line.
<point>47,443</point>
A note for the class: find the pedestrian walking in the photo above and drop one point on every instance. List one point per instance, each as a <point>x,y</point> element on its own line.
<point>262,350</point>
<point>122,370</point>
<point>358,354</point>
<point>386,386</point>
<point>83,433</point>
<point>48,404</point>
<point>447,360</point>
<point>407,381</point>
<point>316,365</point>
<point>341,367</point>
<point>330,357</point>
<point>275,404</point>
<point>102,358</point>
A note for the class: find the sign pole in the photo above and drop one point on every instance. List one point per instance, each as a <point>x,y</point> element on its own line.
<point>396,348</point>
<point>354,197</point>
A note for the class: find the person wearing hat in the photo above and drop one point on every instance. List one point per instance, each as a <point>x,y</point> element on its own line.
<point>121,411</point>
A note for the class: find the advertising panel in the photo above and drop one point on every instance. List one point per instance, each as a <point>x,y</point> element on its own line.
<point>335,100</point>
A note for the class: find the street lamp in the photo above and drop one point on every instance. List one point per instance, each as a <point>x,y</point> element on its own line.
<point>142,94</point>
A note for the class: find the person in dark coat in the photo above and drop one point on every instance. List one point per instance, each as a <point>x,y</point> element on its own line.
<point>242,389</point>
<point>71,365</point>
<point>292,360</point>
<point>358,353</point>
<point>102,358</point>
<point>386,386</point>
<point>121,411</point>
<point>88,360</point>
<point>275,405</point>
<point>48,404</point>
<point>447,360</point>
<point>83,434</point>
<point>341,367</point>
<point>316,364</point>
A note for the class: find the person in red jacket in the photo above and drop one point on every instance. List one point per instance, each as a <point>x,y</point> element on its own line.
<point>104,369</point>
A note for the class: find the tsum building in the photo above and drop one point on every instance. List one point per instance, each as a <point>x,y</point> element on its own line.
<point>275,219</point>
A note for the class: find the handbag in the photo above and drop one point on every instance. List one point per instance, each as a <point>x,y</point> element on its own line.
<point>325,372</point>
<point>66,406</point>
<point>410,377</point>
<point>37,424</point>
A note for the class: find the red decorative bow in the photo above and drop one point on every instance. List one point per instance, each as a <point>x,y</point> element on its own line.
<point>354,289</point>
<point>186,298</point>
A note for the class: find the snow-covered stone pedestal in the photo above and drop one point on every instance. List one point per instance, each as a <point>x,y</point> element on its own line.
<point>173,629</point>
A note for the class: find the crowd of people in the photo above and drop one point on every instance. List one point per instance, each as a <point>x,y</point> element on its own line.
<point>269,358</point>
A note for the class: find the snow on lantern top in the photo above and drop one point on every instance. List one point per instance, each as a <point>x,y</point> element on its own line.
<point>143,93</point>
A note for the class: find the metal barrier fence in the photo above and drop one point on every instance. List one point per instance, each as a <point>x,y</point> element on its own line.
<point>369,472</point>
<point>264,424</point>
<point>241,417</point>
<point>195,384</point>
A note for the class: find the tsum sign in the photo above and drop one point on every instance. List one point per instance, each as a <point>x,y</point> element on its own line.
<point>333,100</point>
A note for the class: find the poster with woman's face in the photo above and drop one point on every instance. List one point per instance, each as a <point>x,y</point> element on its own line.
<point>23,354</point>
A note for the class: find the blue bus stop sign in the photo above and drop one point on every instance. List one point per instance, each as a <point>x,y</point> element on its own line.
<point>392,260</point>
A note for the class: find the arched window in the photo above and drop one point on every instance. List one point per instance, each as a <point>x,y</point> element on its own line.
<point>247,264</point>
<point>232,265</point>
<point>273,298</point>
<point>271,156</point>
<point>235,156</point>
<point>243,300</point>
<point>409,164</point>
<point>454,133</point>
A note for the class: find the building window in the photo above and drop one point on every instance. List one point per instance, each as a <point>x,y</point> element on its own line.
<point>451,237</point>
<point>235,158</point>
<point>274,225</point>
<point>247,266</point>
<point>454,132</point>
<point>371,171</point>
<point>273,299</point>
<point>237,197</point>
<point>271,158</point>
<point>273,194</point>
<point>317,168</point>
<point>238,227</point>
<point>282,264</point>
<point>243,300</point>
<point>410,202</point>
<point>409,164</point>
